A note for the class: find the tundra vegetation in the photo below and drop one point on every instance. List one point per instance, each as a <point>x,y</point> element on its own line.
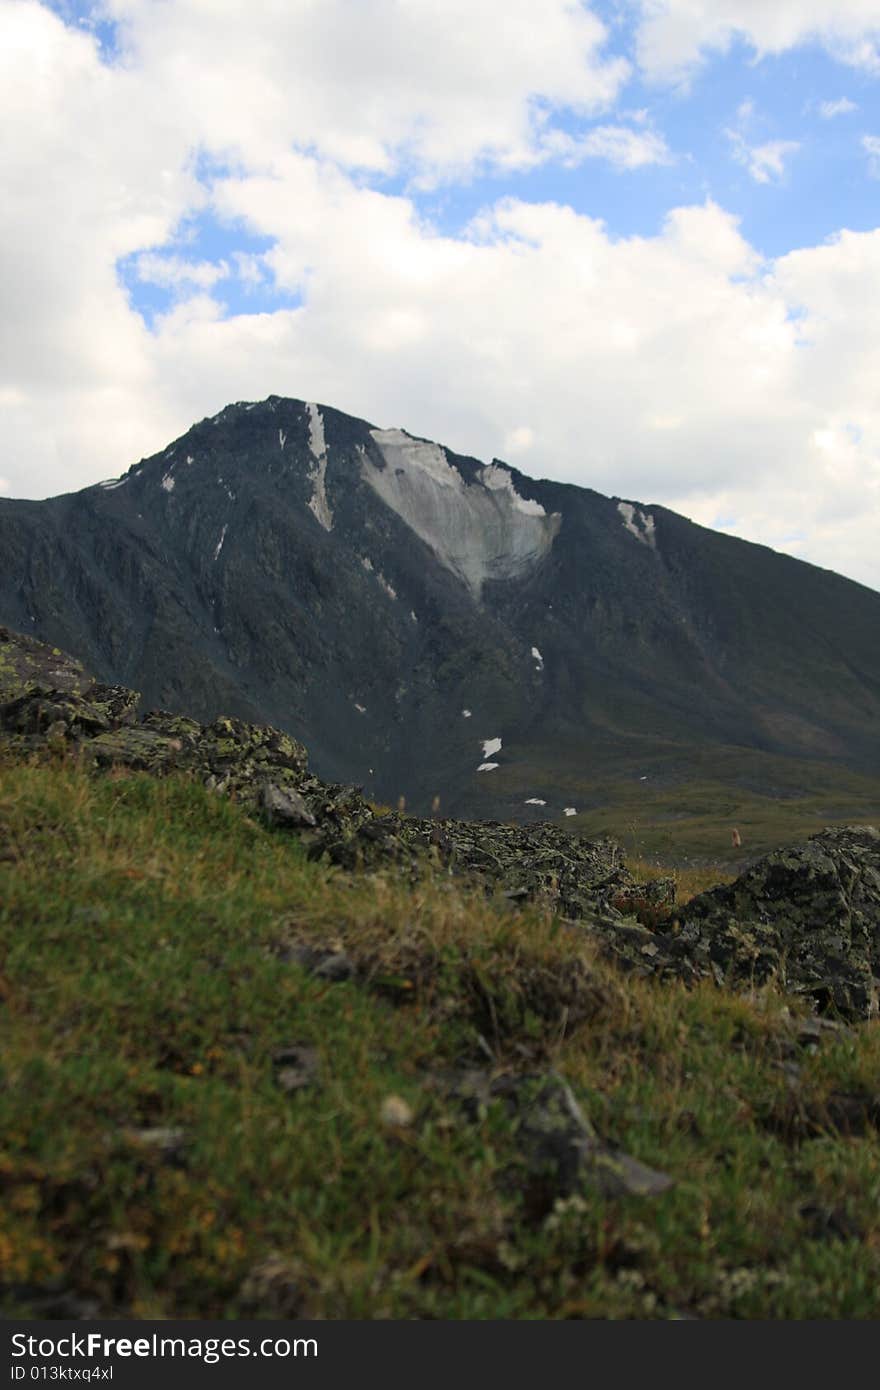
<point>267,1053</point>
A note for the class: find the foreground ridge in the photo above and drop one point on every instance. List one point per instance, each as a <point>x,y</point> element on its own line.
<point>807,917</point>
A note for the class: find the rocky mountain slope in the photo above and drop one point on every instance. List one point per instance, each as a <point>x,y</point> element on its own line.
<point>429,625</point>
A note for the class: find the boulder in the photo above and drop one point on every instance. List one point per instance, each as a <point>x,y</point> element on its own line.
<point>809,915</point>
<point>25,662</point>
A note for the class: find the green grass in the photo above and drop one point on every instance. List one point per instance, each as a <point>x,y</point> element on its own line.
<point>146,981</point>
<point>683,814</point>
<point>689,882</point>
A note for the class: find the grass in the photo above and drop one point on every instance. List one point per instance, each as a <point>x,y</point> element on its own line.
<point>689,882</point>
<point>147,981</point>
<point>685,810</point>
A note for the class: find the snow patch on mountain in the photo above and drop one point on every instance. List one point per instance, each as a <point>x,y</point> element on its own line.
<point>639,524</point>
<point>387,588</point>
<point>318,503</point>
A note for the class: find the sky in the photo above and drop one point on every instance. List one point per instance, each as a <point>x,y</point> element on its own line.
<point>628,244</point>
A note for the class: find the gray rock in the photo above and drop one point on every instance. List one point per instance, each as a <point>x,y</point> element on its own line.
<point>296,1067</point>
<point>167,1143</point>
<point>809,915</point>
<point>331,965</point>
<point>563,1153</point>
<point>283,806</point>
<point>337,967</point>
<point>558,1138</point>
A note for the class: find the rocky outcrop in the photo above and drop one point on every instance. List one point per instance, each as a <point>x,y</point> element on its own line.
<point>809,915</point>
<point>807,918</point>
<point>267,772</point>
<point>26,663</point>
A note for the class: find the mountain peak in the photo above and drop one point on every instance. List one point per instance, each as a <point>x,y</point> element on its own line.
<point>361,587</point>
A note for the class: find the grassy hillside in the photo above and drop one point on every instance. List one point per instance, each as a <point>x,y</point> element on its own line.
<point>198,1121</point>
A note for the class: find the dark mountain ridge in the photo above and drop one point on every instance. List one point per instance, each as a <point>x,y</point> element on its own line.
<point>401,608</point>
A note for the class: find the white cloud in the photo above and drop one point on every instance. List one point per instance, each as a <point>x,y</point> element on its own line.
<point>871,146</point>
<point>842,107</point>
<point>251,270</point>
<point>620,145</point>
<point>676,35</point>
<point>171,272</point>
<point>764,162</point>
<point>438,85</point>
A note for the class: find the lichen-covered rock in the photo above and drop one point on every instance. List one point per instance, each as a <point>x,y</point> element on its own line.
<point>538,863</point>
<point>809,915</point>
<point>25,663</point>
<point>66,715</point>
<point>46,695</point>
<point>229,755</point>
<point>807,918</point>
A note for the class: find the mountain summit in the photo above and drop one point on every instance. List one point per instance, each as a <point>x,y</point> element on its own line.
<point>432,625</point>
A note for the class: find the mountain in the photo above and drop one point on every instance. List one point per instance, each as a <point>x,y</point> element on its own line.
<point>430,625</point>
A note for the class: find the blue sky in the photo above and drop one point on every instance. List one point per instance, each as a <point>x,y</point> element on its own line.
<point>633,244</point>
<point>822,189</point>
<point>734,103</point>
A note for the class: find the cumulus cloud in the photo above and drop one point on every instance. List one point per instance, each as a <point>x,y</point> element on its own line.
<point>842,107</point>
<point>871,146</point>
<point>622,146</point>
<point>764,162</point>
<point>441,86</point>
<point>172,272</point>
<point>677,366</point>
<point>674,36</point>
